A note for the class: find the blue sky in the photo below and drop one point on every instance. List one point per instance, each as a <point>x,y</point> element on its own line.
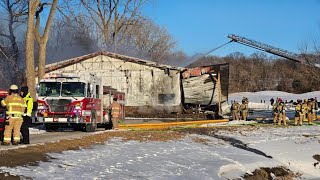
<point>200,25</point>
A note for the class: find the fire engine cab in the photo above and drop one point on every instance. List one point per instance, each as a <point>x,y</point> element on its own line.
<point>68,101</point>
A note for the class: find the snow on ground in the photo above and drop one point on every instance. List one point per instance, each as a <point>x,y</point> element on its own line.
<point>220,158</point>
<point>36,130</point>
<point>234,122</point>
<point>265,96</point>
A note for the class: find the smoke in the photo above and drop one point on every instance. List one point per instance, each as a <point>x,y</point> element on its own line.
<point>68,41</point>
<point>180,59</point>
<point>193,59</point>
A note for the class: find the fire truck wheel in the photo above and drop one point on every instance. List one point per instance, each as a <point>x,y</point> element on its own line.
<point>108,126</point>
<point>51,128</point>
<point>90,128</point>
<point>93,125</point>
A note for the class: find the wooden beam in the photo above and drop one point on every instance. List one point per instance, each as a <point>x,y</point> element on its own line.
<point>219,92</point>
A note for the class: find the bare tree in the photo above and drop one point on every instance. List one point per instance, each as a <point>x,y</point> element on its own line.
<point>42,40</point>
<point>14,13</point>
<point>311,54</point>
<point>114,18</point>
<point>34,9</point>
<point>120,27</point>
<point>152,40</point>
<point>30,73</point>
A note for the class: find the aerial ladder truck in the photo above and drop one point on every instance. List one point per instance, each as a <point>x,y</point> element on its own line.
<point>271,49</point>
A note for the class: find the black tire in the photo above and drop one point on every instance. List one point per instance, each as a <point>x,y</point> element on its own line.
<point>50,127</point>
<point>78,128</point>
<point>90,128</point>
<point>108,126</point>
<point>93,125</point>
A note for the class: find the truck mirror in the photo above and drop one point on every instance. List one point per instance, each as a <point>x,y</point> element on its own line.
<point>91,88</point>
<point>37,88</point>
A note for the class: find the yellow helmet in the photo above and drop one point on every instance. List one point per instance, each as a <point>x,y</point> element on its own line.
<point>14,87</point>
<point>305,100</point>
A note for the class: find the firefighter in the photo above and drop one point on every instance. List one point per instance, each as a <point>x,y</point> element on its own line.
<point>244,110</point>
<point>235,108</point>
<point>304,109</point>
<point>310,111</point>
<point>275,110</point>
<point>282,113</point>
<point>315,108</point>
<point>115,113</point>
<point>298,113</point>
<point>245,99</point>
<point>15,109</point>
<point>27,114</point>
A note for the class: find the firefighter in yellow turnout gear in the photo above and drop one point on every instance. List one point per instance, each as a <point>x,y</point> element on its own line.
<point>235,109</point>
<point>244,110</point>
<point>282,113</point>
<point>15,109</point>
<point>275,111</point>
<point>305,109</point>
<point>316,107</point>
<point>299,113</point>
<point>115,113</point>
<point>311,109</point>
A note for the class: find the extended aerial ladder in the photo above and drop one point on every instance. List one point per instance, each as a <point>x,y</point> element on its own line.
<point>271,49</point>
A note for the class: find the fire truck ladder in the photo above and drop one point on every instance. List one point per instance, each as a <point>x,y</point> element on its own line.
<point>270,49</point>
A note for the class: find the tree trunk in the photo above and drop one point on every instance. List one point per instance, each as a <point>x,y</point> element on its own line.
<point>30,71</point>
<point>42,61</point>
<point>30,74</point>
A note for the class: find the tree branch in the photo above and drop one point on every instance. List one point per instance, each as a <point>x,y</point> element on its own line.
<point>4,35</point>
<point>36,30</point>
<point>50,19</point>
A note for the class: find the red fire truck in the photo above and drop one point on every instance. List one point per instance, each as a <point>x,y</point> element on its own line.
<point>70,102</point>
<point>3,94</point>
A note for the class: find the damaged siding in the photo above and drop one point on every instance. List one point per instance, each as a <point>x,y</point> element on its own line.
<point>199,90</point>
<point>200,85</point>
<point>143,85</point>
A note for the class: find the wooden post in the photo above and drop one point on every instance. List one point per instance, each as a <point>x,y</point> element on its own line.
<point>219,93</point>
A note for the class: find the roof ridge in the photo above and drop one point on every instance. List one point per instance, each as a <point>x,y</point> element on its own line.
<point>60,64</point>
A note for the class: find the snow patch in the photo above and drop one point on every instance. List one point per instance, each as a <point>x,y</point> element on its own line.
<point>34,130</point>
<point>234,122</point>
<point>265,96</point>
<point>184,159</point>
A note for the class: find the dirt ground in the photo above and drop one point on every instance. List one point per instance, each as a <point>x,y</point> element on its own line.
<point>150,112</point>
<point>281,173</point>
<point>30,155</point>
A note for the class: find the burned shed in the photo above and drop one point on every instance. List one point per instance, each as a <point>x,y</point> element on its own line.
<point>145,84</point>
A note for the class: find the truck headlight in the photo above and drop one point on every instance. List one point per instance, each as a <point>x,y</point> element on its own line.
<point>78,106</point>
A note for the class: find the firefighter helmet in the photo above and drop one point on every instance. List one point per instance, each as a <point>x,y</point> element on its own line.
<point>13,87</point>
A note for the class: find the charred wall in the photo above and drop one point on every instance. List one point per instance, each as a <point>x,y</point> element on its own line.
<point>143,85</point>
